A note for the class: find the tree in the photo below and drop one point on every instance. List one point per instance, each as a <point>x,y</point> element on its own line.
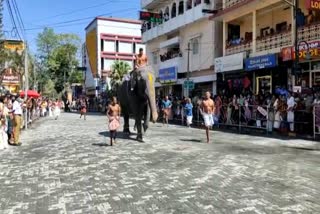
<point>76,77</point>
<point>49,89</point>
<point>118,70</point>
<point>57,56</point>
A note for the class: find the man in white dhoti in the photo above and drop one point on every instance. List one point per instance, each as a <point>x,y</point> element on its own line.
<point>56,109</point>
<point>290,114</point>
<point>207,109</point>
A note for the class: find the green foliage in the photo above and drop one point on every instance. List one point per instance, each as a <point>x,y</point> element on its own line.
<point>76,77</point>
<point>49,89</point>
<point>119,69</point>
<point>57,57</point>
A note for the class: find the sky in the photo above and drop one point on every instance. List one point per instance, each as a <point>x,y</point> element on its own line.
<point>65,16</point>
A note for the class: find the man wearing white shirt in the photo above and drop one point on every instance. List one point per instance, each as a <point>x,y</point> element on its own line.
<point>290,114</point>
<point>17,112</point>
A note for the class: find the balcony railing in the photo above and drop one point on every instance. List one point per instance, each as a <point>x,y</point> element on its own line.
<point>239,48</point>
<point>274,41</point>
<point>309,32</point>
<point>230,3</point>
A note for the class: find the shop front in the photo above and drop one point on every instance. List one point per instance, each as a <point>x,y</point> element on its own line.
<point>231,77</point>
<point>168,82</point>
<point>10,80</point>
<point>266,73</point>
<point>309,61</point>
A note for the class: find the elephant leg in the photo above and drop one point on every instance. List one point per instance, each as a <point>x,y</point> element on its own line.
<point>146,119</point>
<point>139,128</point>
<point>126,129</point>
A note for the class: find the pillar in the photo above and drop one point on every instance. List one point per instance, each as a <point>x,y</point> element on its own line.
<point>254,31</point>
<point>293,26</point>
<point>225,37</point>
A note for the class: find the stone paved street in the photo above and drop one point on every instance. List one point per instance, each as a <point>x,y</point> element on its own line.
<point>64,166</point>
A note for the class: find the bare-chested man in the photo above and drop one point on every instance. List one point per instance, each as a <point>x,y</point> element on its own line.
<point>141,59</point>
<point>207,110</point>
<point>113,113</point>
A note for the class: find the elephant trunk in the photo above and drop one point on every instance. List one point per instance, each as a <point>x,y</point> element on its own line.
<point>153,108</point>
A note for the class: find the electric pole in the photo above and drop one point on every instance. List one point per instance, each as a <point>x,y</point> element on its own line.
<point>296,40</point>
<point>188,70</point>
<point>26,74</point>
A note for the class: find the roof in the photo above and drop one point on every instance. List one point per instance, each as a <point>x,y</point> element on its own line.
<point>129,21</point>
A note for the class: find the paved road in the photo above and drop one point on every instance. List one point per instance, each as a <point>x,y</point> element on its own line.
<point>65,167</point>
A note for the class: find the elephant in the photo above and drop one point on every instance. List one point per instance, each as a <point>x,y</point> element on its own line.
<point>136,95</point>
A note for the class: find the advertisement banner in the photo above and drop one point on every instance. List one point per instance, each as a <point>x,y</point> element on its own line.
<point>168,74</point>
<point>261,62</point>
<point>288,53</point>
<point>229,63</point>
<point>313,4</point>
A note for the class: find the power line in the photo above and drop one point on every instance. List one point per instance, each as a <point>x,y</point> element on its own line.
<point>77,20</point>
<point>13,19</point>
<point>18,15</point>
<point>81,9</point>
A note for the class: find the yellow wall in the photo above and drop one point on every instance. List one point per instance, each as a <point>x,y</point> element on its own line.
<point>91,42</point>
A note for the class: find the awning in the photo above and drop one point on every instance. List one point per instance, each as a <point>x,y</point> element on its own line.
<point>170,42</point>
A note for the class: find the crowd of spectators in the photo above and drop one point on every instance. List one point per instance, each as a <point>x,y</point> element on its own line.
<point>283,112</point>
<point>15,113</point>
<point>170,55</point>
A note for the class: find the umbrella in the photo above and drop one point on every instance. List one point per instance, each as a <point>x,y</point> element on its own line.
<point>30,93</point>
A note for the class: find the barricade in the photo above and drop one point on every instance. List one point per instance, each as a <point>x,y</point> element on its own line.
<point>260,117</point>
<point>316,121</point>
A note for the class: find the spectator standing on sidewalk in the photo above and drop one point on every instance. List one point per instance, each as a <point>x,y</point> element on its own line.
<point>3,127</point>
<point>17,118</point>
<point>207,109</point>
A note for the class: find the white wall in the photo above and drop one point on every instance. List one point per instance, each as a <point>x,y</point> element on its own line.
<point>107,64</point>
<point>109,46</point>
<point>125,47</point>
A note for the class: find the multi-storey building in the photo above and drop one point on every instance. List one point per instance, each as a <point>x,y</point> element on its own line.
<point>258,40</point>
<point>107,40</point>
<point>167,42</point>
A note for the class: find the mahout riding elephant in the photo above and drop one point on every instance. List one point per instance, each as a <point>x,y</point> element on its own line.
<point>137,97</point>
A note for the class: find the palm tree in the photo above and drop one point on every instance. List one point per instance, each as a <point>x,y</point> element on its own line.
<point>118,70</point>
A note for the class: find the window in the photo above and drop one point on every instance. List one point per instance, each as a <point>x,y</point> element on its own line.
<point>195,46</point>
<point>155,58</point>
<point>109,46</point>
<point>181,8</point>
<point>117,46</point>
<point>189,4</point>
<point>197,2</point>
<point>134,48</point>
<point>174,10</point>
<point>101,45</point>
<point>166,15</point>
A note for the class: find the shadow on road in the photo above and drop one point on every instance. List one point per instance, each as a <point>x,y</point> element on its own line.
<point>120,135</point>
<point>191,140</point>
<point>100,144</point>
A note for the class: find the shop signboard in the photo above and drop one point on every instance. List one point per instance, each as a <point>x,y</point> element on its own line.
<point>168,75</point>
<point>229,63</point>
<point>188,84</point>
<point>10,77</point>
<point>261,62</point>
<point>288,53</point>
<point>313,4</point>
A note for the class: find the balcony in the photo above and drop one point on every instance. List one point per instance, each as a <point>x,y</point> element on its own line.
<point>231,3</point>
<point>309,32</point>
<point>174,62</point>
<point>188,17</point>
<point>239,48</point>
<point>277,42</point>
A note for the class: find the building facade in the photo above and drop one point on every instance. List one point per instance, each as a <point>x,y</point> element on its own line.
<point>185,43</point>
<point>258,45</point>
<point>107,40</point>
